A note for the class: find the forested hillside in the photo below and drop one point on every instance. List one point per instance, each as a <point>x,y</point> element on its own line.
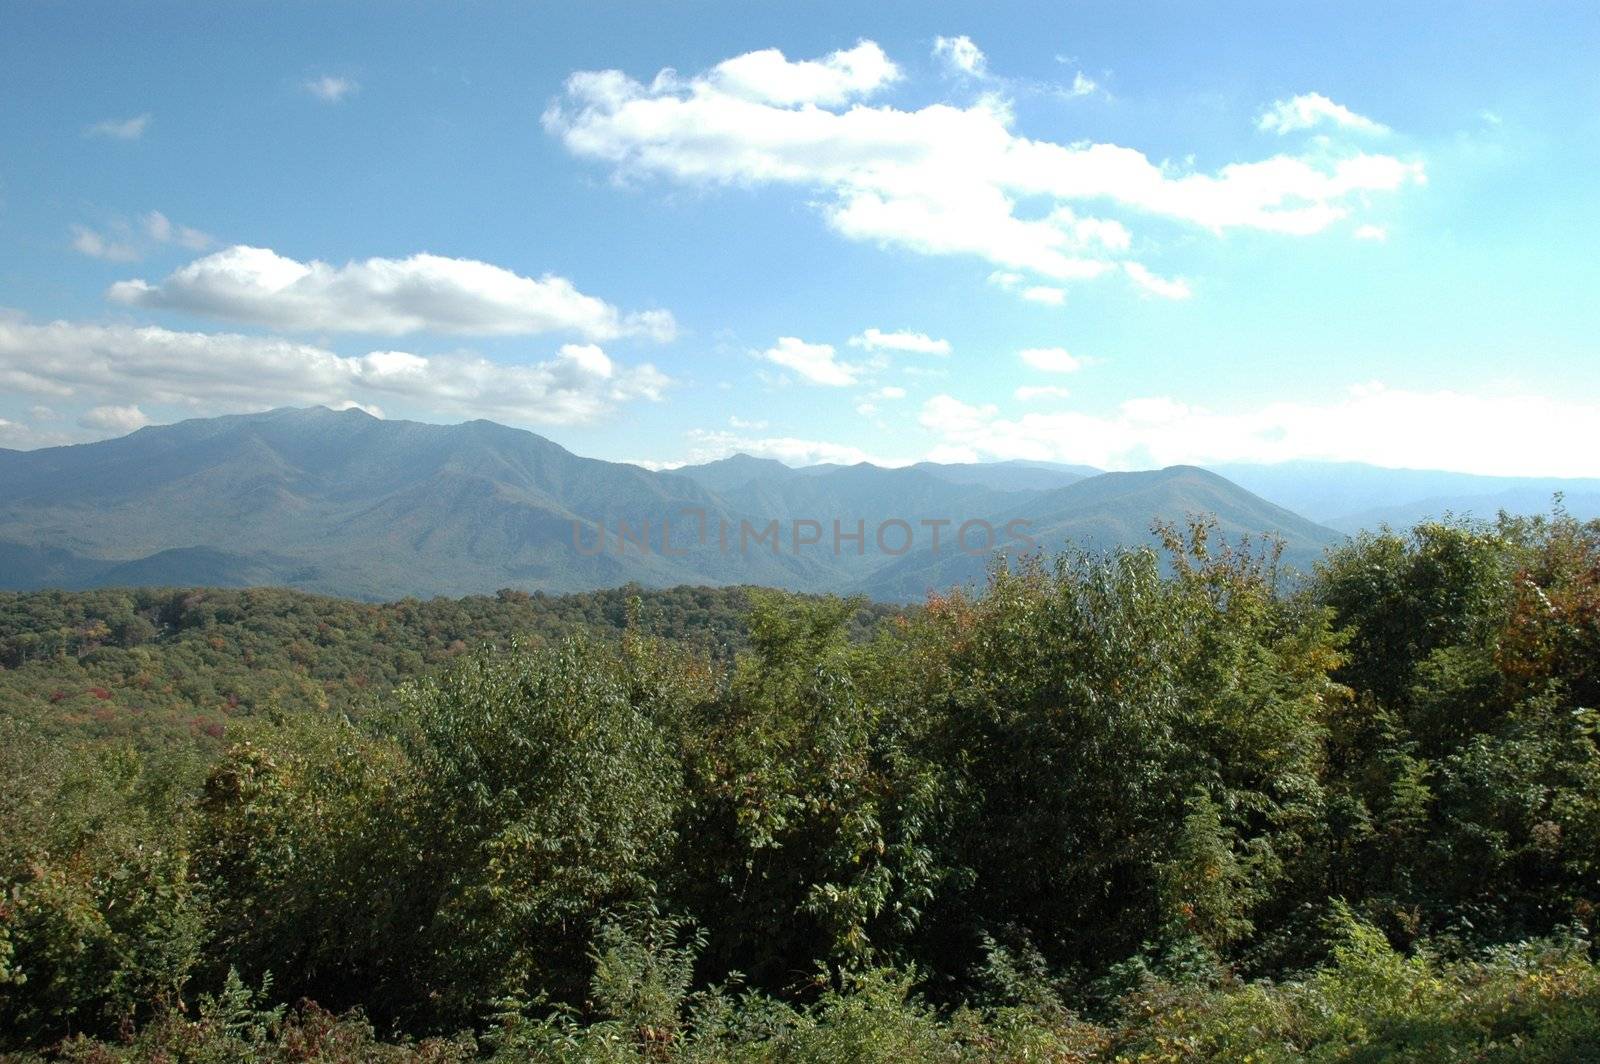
<point>164,666</point>
<point>1122,807</point>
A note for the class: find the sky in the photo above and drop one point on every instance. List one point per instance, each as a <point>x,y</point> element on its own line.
<point>1122,235</point>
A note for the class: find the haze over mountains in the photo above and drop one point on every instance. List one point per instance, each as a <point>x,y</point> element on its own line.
<point>347,504</point>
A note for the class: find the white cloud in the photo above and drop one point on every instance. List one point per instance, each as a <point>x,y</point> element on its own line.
<point>124,244</point>
<point>708,446</point>
<point>1310,110</point>
<point>767,77</point>
<point>1166,288</point>
<point>123,365</point>
<point>16,434</point>
<point>330,89</point>
<point>888,394</point>
<point>1030,393</point>
<point>1049,295</point>
<point>1371,232</point>
<point>1487,434</point>
<point>97,245</point>
<point>951,180</point>
<point>385,296</point>
<point>1082,85</point>
<point>961,55</point>
<point>915,342</point>
<point>118,419</point>
<point>747,424</point>
<point>814,362</point>
<point>1052,359</point>
<point>120,128</point>
<point>163,230</point>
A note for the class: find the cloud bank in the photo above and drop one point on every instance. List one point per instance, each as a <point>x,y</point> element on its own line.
<point>388,297</point>
<point>1532,436</point>
<point>120,368</point>
<point>945,179</point>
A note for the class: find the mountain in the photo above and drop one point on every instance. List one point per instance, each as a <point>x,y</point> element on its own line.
<point>345,503</point>
<point>1351,496</point>
<point>1107,511</point>
<point>1010,476</point>
<point>736,471</point>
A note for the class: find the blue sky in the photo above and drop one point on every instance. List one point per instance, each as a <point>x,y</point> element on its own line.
<point>1082,232</point>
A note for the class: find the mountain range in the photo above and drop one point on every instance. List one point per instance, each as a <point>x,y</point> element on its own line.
<point>344,503</point>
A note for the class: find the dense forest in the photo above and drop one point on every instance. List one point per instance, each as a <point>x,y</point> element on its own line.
<point>1135,806</point>
<point>175,668</point>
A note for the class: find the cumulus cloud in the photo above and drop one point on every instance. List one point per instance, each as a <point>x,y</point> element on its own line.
<point>945,179</point>
<point>392,297</point>
<point>815,362</point>
<point>330,89</point>
<point>123,365</point>
<point>768,77</point>
<point>1371,232</point>
<point>961,55</point>
<point>118,419</point>
<point>914,342</point>
<point>120,128</point>
<point>1052,359</point>
<point>1310,110</point>
<point>1487,434</point>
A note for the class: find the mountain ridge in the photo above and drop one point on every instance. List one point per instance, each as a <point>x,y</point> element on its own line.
<point>341,502</point>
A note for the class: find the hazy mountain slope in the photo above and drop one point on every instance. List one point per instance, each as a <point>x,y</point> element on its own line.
<point>1351,496</point>
<point>343,503</point>
<point>736,471</point>
<point>1534,500</point>
<point>1010,476</point>
<point>872,493</point>
<point>1106,511</point>
<point>365,507</point>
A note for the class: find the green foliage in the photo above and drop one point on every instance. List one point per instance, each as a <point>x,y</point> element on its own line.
<point>438,859</point>
<point>1118,807</point>
<point>1138,757</point>
<point>99,922</point>
<point>1466,774</point>
<point>167,668</point>
<point>810,828</point>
